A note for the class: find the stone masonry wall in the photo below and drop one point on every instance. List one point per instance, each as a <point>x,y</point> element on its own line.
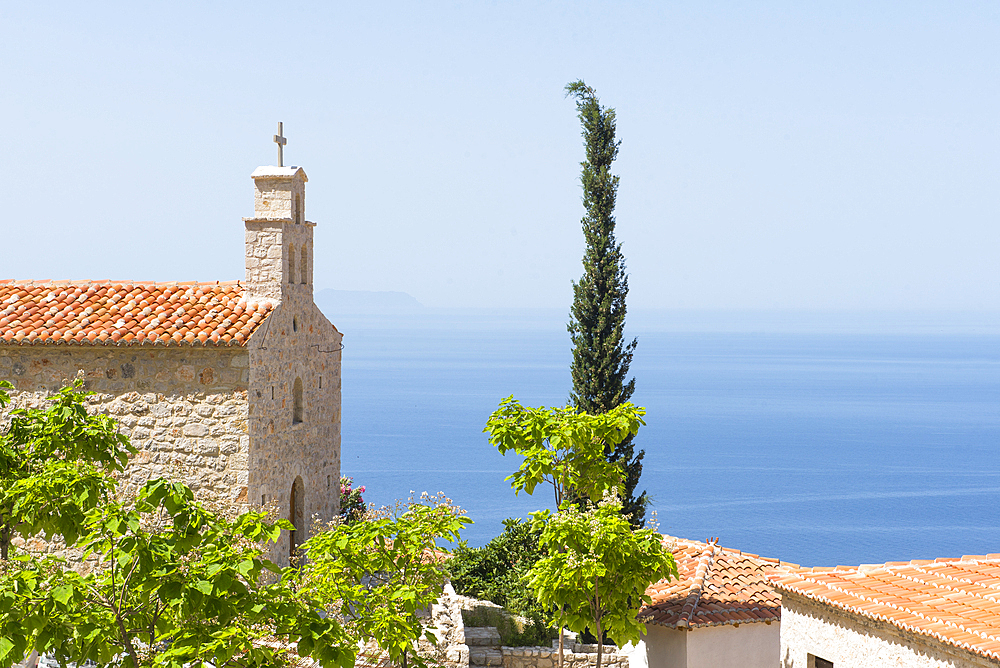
<point>184,409</point>
<point>445,621</point>
<point>277,190</point>
<point>295,344</point>
<point>847,639</point>
<point>266,266</point>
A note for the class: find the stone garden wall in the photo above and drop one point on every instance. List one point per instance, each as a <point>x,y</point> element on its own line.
<point>581,656</point>
<point>463,646</point>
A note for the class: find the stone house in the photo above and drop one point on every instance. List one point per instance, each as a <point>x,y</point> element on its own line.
<point>722,611</point>
<point>233,387</point>
<point>916,614</point>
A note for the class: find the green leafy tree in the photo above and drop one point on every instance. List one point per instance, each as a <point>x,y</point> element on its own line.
<point>566,448</point>
<point>498,572</point>
<point>563,447</point>
<point>601,357</point>
<point>379,573</point>
<point>56,465</point>
<point>175,586</point>
<point>597,570</point>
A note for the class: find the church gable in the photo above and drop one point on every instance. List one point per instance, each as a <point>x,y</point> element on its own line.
<point>128,314</point>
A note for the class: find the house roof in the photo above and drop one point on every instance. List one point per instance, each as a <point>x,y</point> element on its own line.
<point>127,313</point>
<point>955,601</point>
<point>717,586</point>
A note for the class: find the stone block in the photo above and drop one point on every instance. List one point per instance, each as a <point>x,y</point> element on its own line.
<point>204,447</point>
<point>482,636</point>
<point>458,654</point>
<point>195,429</point>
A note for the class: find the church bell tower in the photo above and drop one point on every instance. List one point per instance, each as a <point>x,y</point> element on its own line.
<point>279,240</point>
<point>294,363</point>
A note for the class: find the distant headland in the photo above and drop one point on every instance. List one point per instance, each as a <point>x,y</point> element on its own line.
<point>366,302</point>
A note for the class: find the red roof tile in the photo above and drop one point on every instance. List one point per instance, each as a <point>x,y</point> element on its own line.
<point>717,586</point>
<point>952,600</point>
<point>127,313</point>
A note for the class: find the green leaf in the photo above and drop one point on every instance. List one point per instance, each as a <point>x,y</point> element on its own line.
<point>5,647</point>
<point>192,579</point>
<point>62,593</point>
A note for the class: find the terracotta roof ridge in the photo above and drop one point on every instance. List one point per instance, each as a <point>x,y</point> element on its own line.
<point>772,562</point>
<point>731,609</point>
<point>857,609</point>
<point>698,584</point>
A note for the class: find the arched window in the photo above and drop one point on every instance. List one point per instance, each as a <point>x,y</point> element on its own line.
<point>303,272</point>
<point>291,263</point>
<point>297,401</point>
<point>298,208</point>
<point>297,515</point>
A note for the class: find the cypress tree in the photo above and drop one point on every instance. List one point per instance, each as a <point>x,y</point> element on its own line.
<point>601,357</point>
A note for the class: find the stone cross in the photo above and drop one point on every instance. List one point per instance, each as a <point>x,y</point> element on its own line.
<point>280,141</point>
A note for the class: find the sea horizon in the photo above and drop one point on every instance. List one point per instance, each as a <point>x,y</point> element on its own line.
<point>819,438</point>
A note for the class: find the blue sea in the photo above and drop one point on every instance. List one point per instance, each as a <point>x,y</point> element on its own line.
<point>819,439</point>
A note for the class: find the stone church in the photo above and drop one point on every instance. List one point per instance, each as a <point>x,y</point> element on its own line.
<point>233,387</point>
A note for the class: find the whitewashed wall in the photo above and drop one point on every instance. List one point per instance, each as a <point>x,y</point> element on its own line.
<point>746,645</point>
<point>810,628</point>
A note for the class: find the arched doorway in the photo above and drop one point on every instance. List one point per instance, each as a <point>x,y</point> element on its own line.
<point>296,515</point>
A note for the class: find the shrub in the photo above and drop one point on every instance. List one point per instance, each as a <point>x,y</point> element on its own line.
<point>514,631</point>
<point>497,572</point>
<point>352,506</point>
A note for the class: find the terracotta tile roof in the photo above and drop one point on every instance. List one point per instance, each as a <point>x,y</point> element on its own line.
<point>955,601</point>
<point>717,586</point>
<point>127,313</point>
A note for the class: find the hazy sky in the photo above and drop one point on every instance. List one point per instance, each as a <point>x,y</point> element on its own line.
<point>824,155</point>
